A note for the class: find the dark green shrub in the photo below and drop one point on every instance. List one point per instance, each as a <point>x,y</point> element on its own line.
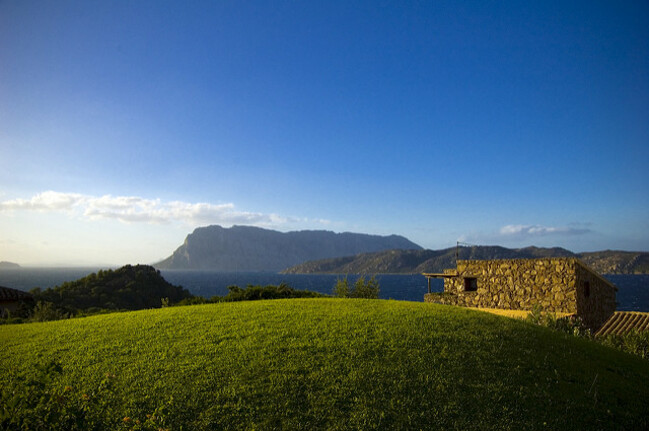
<point>194,300</point>
<point>341,288</point>
<point>572,325</point>
<point>45,310</point>
<point>368,289</point>
<point>131,287</point>
<point>536,315</point>
<point>251,293</point>
<point>635,342</point>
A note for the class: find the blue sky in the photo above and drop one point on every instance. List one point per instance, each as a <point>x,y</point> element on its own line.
<point>124,125</point>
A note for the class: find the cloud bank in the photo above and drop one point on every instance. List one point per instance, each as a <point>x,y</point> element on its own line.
<point>134,209</point>
<point>525,231</point>
<point>513,234</point>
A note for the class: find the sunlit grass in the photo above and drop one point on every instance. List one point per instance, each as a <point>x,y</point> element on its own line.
<point>335,364</point>
<point>515,314</point>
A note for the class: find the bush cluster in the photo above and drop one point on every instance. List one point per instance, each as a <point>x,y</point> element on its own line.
<point>252,293</point>
<point>362,288</point>
<point>634,342</point>
<point>572,325</point>
<point>131,287</point>
<point>67,301</point>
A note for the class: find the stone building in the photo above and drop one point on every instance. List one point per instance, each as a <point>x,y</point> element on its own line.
<point>14,301</point>
<point>557,285</point>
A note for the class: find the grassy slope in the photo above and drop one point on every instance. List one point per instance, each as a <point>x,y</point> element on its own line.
<point>337,364</point>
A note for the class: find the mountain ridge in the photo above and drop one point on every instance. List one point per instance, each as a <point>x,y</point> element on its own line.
<point>418,261</point>
<point>248,248</point>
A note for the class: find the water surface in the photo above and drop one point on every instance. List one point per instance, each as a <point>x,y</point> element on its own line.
<point>632,295</point>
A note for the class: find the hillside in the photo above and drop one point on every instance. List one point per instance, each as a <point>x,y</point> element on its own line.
<point>617,262</point>
<point>417,261</point>
<point>315,364</point>
<point>247,248</point>
<point>131,287</point>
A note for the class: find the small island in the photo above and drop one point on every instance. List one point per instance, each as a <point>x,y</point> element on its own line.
<point>9,265</point>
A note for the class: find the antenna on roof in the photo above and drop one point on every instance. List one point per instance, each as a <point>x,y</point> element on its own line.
<point>459,244</point>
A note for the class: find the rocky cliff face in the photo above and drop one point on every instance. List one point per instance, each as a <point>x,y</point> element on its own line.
<point>245,248</point>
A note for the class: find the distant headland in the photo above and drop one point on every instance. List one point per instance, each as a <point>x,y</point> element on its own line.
<point>248,248</point>
<point>418,261</point>
<point>9,265</point>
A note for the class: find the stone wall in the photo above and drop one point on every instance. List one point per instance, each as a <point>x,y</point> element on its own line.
<point>557,285</point>
<point>514,284</point>
<point>595,297</point>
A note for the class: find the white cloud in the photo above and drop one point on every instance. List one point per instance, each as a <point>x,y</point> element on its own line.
<point>134,209</point>
<point>46,201</point>
<point>520,230</point>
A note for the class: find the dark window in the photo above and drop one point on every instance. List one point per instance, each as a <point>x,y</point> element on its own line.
<point>587,289</point>
<point>470,284</point>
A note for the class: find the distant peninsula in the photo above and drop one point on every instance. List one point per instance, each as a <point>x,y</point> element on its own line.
<point>418,261</point>
<point>247,248</point>
<point>9,265</point>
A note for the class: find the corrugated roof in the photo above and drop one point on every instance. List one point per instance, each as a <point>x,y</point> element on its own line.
<point>622,322</point>
<point>8,294</point>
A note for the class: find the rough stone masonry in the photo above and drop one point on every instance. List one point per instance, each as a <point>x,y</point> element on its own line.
<point>557,285</point>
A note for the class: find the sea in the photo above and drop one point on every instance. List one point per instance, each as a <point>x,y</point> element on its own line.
<point>632,295</point>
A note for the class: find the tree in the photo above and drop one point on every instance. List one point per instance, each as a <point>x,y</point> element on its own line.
<point>341,289</point>
<point>368,289</point>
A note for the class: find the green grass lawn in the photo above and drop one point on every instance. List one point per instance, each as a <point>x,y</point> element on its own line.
<point>322,364</point>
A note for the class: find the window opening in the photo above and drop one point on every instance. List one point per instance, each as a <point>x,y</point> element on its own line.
<point>470,284</point>
<point>587,289</point>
